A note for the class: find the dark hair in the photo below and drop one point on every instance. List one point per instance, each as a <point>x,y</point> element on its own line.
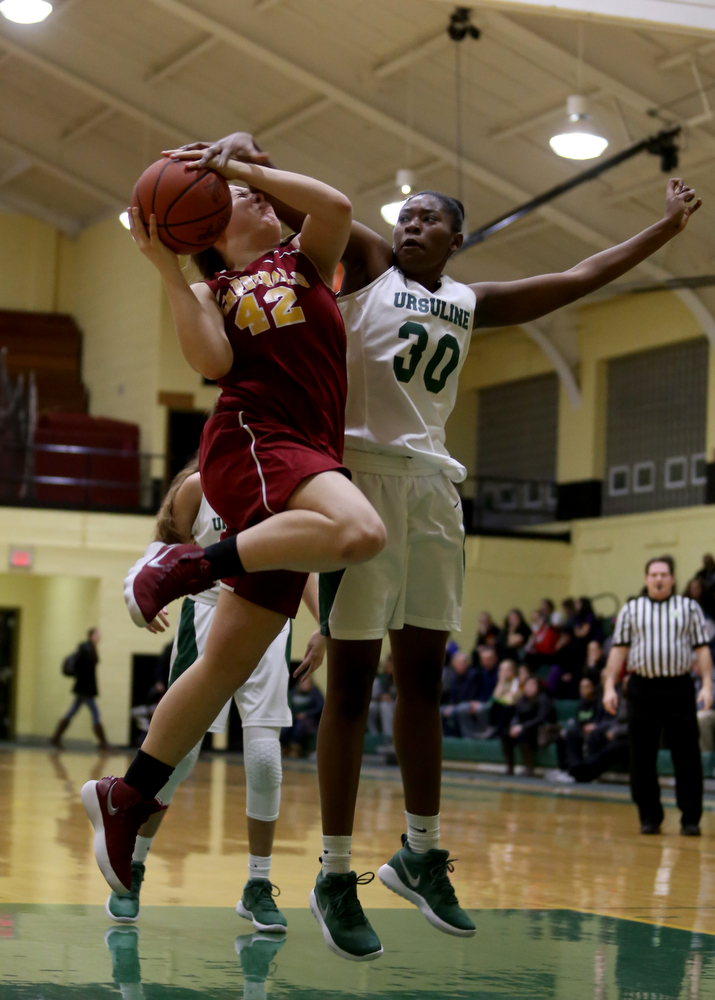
<point>668,560</point>
<point>91,631</point>
<point>166,529</point>
<point>209,262</point>
<point>452,206</point>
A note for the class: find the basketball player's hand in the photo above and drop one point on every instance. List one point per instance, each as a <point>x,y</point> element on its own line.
<point>160,623</point>
<point>164,259</point>
<point>237,146</point>
<point>705,700</point>
<point>680,203</point>
<point>314,655</point>
<point>610,699</point>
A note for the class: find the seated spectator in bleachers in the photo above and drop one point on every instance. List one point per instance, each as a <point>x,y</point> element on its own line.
<point>595,661</point>
<point>571,742</point>
<point>306,703</point>
<point>706,718</point>
<point>606,746</point>
<point>533,710</point>
<point>706,573</point>
<point>523,674</point>
<point>514,635</point>
<point>460,688</point>
<point>471,716</point>
<point>540,648</point>
<point>564,617</point>
<point>382,703</point>
<point>487,634</point>
<point>504,698</point>
<point>697,590</point>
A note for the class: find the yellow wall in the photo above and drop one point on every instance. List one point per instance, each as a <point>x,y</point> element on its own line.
<point>30,259</point>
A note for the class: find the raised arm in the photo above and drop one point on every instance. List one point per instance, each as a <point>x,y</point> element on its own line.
<point>510,302</point>
<point>366,256</point>
<point>197,318</point>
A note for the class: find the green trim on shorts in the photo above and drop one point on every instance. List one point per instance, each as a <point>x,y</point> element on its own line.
<point>186,649</point>
<point>327,592</point>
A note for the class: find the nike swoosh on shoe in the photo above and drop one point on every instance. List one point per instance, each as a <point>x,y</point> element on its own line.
<point>414,882</point>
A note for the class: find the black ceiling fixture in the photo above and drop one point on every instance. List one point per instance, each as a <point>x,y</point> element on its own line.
<point>460,25</point>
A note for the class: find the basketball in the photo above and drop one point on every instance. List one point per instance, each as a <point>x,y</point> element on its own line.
<point>192,207</point>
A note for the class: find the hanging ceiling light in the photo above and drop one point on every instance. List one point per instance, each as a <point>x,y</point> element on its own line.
<point>25,11</point>
<point>578,140</point>
<point>124,219</point>
<point>405,181</point>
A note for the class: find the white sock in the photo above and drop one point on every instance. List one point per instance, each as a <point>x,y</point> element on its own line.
<point>253,990</point>
<point>259,867</point>
<point>141,848</point>
<point>337,852</point>
<point>422,832</point>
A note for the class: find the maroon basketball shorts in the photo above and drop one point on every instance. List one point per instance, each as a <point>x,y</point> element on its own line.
<point>249,469</point>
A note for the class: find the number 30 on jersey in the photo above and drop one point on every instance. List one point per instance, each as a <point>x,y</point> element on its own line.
<point>405,367</point>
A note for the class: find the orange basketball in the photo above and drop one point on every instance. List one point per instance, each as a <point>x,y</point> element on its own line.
<point>192,207</point>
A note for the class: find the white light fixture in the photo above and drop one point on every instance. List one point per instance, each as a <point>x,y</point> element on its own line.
<point>391,212</point>
<point>405,182</point>
<point>578,141</point>
<point>25,11</point>
<point>124,219</point>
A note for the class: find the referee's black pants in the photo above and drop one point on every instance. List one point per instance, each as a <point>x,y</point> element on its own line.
<point>664,705</point>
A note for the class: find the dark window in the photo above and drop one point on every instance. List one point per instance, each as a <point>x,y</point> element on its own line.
<point>185,428</point>
<point>655,431</point>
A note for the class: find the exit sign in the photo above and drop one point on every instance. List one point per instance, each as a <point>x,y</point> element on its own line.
<point>20,558</point>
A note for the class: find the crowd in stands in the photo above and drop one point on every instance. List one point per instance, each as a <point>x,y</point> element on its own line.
<point>511,684</point>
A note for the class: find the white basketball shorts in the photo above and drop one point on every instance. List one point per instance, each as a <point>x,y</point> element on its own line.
<point>418,578</point>
<point>263,699</point>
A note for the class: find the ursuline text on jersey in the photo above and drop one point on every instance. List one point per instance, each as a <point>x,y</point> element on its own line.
<point>438,307</point>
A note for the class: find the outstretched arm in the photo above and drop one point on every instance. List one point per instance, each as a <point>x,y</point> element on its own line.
<point>366,256</point>
<point>503,303</point>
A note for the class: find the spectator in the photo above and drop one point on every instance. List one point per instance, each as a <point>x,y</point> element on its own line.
<point>460,689</point>
<point>504,698</point>
<point>595,661</point>
<point>547,609</point>
<point>541,646</point>
<point>487,634</point>
<point>571,742</point>
<point>706,573</point>
<point>382,704</point>
<point>84,689</point>
<point>586,625</point>
<point>564,618</point>
<point>706,717</point>
<point>697,590</point>
<point>523,674</point>
<point>514,635</point>
<point>606,746</point>
<point>306,703</point>
<point>532,711</point>
<point>471,716</point>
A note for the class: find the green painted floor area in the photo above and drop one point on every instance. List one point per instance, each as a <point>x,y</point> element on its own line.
<point>181,953</point>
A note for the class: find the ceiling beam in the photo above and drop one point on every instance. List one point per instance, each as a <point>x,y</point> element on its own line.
<point>273,129</point>
<point>90,89</point>
<point>262,5</point>
<point>181,59</point>
<point>20,167</point>
<point>687,170</point>
<point>405,57</point>
<point>105,197</point>
<point>10,201</point>
<point>393,126</point>
<point>86,124</point>
<point>670,62</point>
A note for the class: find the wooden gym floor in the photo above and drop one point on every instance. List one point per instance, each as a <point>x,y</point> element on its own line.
<point>569,900</point>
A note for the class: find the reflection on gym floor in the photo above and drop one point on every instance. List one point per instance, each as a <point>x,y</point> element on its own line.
<point>59,953</point>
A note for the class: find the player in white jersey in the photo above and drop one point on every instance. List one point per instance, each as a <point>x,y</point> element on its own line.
<point>408,327</point>
<point>262,704</point>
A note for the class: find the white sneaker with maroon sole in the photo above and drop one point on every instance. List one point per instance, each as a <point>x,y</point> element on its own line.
<point>164,573</point>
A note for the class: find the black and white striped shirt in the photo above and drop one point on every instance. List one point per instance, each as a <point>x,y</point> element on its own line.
<point>661,634</point>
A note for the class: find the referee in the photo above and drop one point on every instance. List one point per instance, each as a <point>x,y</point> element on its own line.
<point>660,634</point>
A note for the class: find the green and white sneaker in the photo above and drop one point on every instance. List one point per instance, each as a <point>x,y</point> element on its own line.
<point>123,944</point>
<point>256,952</point>
<point>346,930</point>
<point>125,909</point>
<point>424,880</point>
<point>257,904</point>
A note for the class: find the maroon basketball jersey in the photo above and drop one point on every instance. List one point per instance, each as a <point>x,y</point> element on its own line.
<point>289,347</point>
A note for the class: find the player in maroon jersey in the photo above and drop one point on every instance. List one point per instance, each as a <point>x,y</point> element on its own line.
<point>267,327</point>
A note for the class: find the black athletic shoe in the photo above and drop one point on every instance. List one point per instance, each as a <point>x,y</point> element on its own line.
<point>650,828</point>
<point>690,830</point>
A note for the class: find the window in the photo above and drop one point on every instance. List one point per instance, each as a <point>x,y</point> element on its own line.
<point>699,470</point>
<point>676,473</point>
<point>644,477</point>
<point>619,481</point>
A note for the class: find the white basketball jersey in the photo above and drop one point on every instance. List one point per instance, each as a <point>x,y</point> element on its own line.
<point>206,530</point>
<point>406,348</point>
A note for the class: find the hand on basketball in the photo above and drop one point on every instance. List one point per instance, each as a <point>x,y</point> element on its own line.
<point>164,259</point>
<point>680,203</point>
<point>314,655</point>
<point>237,146</point>
<point>160,623</point>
